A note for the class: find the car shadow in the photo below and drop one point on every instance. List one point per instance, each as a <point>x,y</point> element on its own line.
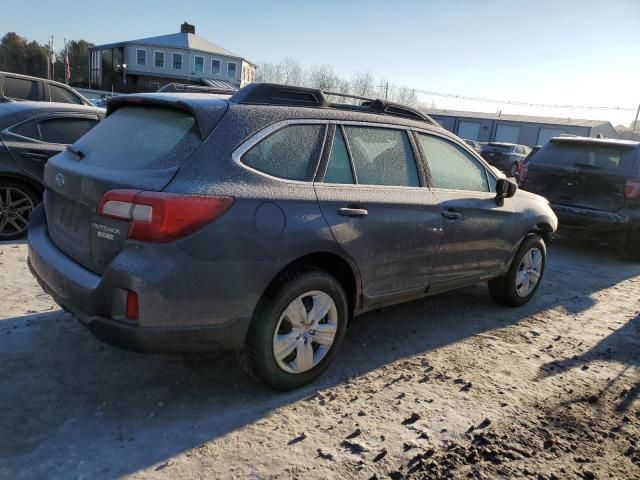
<point>73,406</point>
<point>19,241</point>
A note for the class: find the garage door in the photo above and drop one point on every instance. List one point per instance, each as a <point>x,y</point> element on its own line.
<point>469,130</point>
<point>547,134</point>
<point>507,133</point>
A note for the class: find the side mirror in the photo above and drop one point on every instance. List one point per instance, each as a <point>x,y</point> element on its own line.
<point>505,188</point>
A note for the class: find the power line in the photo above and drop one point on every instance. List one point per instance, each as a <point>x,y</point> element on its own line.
<point>511,102</point>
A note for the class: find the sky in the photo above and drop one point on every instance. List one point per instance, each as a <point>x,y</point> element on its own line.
<point>564,52</point>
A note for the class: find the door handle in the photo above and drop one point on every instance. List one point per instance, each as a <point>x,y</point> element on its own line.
<point>35,155</point>
<point>352,212</point>
<point>451,215</point>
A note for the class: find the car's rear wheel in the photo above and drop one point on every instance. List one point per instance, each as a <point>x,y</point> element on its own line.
<point>17,201</point>
<point>296,330</point>
<point>521,282</point>
<point>513,170</point>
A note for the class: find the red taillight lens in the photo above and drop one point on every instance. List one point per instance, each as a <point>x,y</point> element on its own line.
<point>162,217</point>
<point>632,188</point>
<point>131,311</point>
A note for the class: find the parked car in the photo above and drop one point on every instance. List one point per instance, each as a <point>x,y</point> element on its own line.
<point>264,222</point>
<point>24,87</point>
<point>522,170</point>
<point>593,185</point>
<point>477,146</point>
<point>30,133</point>
<point>506,156</point>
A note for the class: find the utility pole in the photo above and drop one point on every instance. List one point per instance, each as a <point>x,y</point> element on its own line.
<point>53,65</point>
<point>386,91</point>
<point>635,122</point>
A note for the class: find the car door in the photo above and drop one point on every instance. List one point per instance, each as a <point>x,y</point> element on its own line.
<point>477,235</point>
<point>370,192</point>
<point>34,141</point>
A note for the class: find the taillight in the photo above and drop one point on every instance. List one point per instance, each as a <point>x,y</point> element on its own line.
<point>160,216</point>
<point>632,188</point>
<point>131,310</point>
<point>522,174</point>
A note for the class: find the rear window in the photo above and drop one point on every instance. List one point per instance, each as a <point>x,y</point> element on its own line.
<point>65,130</point>
<point>499,148</point>
<point>141,138</point>
<point>585,156</point>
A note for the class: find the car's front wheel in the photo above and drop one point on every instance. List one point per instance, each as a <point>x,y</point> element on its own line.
<point>521,282</point>
<point>296,330</point>
<point>17,201</point>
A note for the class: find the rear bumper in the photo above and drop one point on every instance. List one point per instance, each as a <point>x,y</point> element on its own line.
<point>573,220</point>
<point>89,297</point>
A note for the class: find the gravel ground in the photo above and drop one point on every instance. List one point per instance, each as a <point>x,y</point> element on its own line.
<point>449,386</point>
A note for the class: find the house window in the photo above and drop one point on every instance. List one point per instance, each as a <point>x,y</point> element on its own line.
<point>215,66</point>
<point>154,86</point>
<point>177,61</point>
<point>141,56</point>
<point>198,64</point>
<point>159,59</point>
<point>231,69</point>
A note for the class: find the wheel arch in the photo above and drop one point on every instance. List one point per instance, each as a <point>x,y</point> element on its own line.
<point>28,181</point>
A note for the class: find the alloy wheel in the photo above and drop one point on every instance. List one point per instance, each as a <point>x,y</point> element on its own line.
<point>15,208</point>
<point>305,332</point>
<point>529,272</point>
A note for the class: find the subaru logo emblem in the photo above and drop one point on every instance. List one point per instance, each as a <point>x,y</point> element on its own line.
<point>59,180</point>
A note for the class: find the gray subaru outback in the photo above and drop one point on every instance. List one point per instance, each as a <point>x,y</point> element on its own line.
<point>263,222</point>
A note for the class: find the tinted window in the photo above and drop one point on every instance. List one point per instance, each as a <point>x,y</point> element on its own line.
<point>339,167</point>
<point>65,130</point>
<point>139,138</point>
<point>585,156</point>
<point>290,152</point>
<point>382,156</point>
<point>20,88</point>
<point>27,129</point>
<point>451,167</point>
<point>60,94</point>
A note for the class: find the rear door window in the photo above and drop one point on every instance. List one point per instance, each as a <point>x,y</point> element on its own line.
<point>452,167</point>
<point>21,88</point>
<point>65,130</point>
<point>382,156</point>
<point>27,129</point>
<point>290,153</point>
<point>62,95</point>
<point>140,138</point>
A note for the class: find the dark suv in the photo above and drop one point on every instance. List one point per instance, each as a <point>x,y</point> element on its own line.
<point>507,157</point>
<point>265,221</point>
<point>23,87</point>
<point>593,185</point>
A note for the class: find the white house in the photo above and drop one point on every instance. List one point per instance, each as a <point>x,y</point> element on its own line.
<point>150,63</point>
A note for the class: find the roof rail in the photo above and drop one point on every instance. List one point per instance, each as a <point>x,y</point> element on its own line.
<point>274,94</point>
<point>187,88</point>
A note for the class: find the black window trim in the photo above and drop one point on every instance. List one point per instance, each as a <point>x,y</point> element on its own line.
<point>474,155</point>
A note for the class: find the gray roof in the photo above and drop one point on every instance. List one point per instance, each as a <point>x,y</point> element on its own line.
<point>575,122</point>
<point>180,40</point>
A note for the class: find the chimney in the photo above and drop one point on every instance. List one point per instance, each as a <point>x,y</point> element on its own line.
<point>187,28</point>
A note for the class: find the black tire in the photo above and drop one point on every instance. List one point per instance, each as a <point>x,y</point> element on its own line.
<point>8,220</point>
<point>633,245</point>
<point>503,289</point>
<point>257,357</point>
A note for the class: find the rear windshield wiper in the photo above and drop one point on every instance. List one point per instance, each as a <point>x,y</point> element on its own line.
<point>75,151</point>
<point>586,165</point>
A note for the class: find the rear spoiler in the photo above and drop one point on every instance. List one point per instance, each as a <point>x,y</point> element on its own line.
<point>606,142</point>
<point>201,110</point>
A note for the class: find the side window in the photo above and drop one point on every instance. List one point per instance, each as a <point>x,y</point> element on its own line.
<point>289,153</point>
<point>65,130</point>
<point>451,167</point>
<point>20,88</point>
<point>339,167</point>
<point>27,129</point>
<point>62,95</point>
<point>382,156</point>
